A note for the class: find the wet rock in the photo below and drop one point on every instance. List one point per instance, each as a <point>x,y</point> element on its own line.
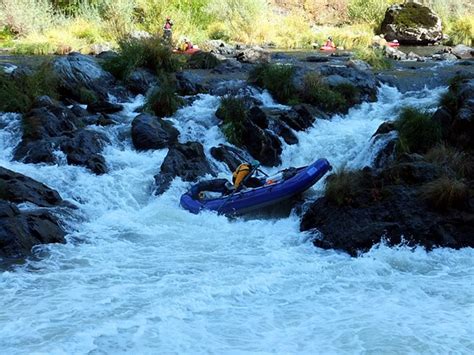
<point>231,156</point>
<point>79,71</point>
<point>186,161</point>
<point>412,23</point>
<point>79,111</point>
<point>104,107</point>
<point>231,87</point>
<point>358,64</point>
<point>385,128</point>
<point>301,116</point>
<point>151,132</point>
<point>35,152</point>
<point>316,59</point>
<point>83,148</point>
<point>462,51</point>
<point>389,210</point>
<point>107,55</point>
<point>189,83</point>
<point>281,129</point>
<point>21,231</point>
<point>262,144</point>
<point>253,55</point>
<point>18,188</point>
<point>140,81</point>
<point>394,53</point>
<point>267,118</point>
<point>228,66</point>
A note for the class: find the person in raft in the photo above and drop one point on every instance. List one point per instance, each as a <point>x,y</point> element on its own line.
<point>168,30</point>
<point>242,176</point>
<point>186,45</point>
<point>329,43</point>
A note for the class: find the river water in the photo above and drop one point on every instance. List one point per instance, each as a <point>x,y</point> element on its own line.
<point>141,275</point>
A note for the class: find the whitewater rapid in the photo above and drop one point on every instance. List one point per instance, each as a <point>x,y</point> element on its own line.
<point>140,275</point>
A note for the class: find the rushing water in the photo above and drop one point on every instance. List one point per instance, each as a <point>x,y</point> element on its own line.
<point>141,275</point>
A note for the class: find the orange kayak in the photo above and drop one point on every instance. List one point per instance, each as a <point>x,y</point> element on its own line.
<point>327,48</point>
<point>189,51</point>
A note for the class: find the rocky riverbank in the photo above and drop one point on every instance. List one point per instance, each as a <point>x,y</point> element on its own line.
<point>84,96</point>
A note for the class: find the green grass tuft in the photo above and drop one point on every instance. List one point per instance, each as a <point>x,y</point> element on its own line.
<point>417,131</point>
<point>454,162</point>
<point>17,95</point>
<point>343,187</point>
<point>277,79</point>
<point>148,53</point>
<point>163,101</point>
<point>203,60</point>
<point>375,57</point>
<point>317,93</point>
<point>233,114</point>
<point>446,193</point>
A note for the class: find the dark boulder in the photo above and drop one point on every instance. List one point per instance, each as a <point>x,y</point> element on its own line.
<point>81,71</point>
<point>301,116</point>
<point>83,148</point>
<point>18,188</point>
<point>262,144</point>
<point>384,208</point>
<point>35,152</point>
<point>412,23</point>
<point>267,118</point>
<point>231,156</point>
<point>186,161</point>
<point>104,107</point>
<point>21,231</point>
<point>189,83</point>
<point>140,81</point>
<point>253,55</point>
<point>151,132</point>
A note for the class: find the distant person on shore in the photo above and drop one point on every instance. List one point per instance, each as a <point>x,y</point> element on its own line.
<point>329,43</point>
<point>168,30</point>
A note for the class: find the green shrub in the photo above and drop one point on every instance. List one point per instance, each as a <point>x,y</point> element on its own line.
<point>317,93</point>
<point>203,60</point>
<point>375,57</point>
<point>87,96</point>
<point>462,31</point>
<point>17,95</point>
<point>277,79</point>
<point>445,193</point>
<point>369,11</point>
<point>343,187</point>
<point>233,114</point>
<point>163,101</point>
<point>148,53</point>
<point>34,48</point>
<point>417,131</point>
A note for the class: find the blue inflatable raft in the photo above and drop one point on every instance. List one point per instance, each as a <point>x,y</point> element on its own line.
<point>288,183</point>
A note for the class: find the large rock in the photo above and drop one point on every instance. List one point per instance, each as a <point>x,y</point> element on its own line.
<point>262,144</point>
<point>457,119</point>
<point>412,23</point>
<point>18,188</point>
<point>21,231</point>
<point>151,132</point>
<point>231,156</point>
<point>77,71</point>
<point>383,208</point>
<point>219,47</point>
<point>83,148</point>
<point>190,83</point>
<point>140,81</point>
<point>186,161</point>
<point>462,51</point>
<point>253,55</point>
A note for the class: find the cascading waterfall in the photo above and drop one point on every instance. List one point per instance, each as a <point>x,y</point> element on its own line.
<point>141,275</point>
